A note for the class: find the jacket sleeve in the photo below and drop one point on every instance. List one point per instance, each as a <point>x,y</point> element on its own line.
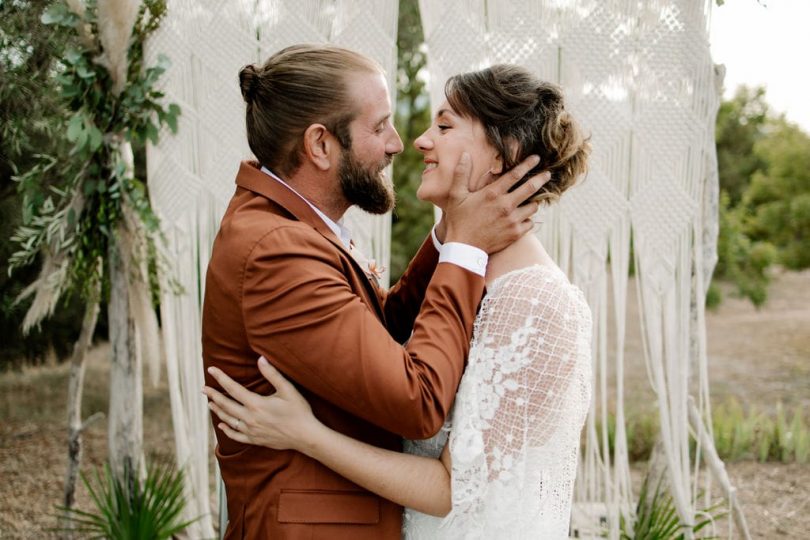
<point>404,299</point>
<point>300,312</point>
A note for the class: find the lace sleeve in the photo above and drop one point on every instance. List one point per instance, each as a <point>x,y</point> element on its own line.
<point>522,402</point>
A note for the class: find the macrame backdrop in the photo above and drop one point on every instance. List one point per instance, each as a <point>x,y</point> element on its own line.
<point>639,77</point>
<point>191,175</point>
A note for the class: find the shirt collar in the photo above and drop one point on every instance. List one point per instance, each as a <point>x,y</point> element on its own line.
<point>340,230</point>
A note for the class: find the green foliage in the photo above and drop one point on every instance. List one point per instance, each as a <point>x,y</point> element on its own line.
<point>764,165</point>
<point>777,202</point>
<point>741,259</point>
<point>77,222</point>
<point>657,519</point>
<point>740,124</point>
<point>412,219</point>
<point>745,435</point>
<point>642,429</point>
<point>126,509</point>
<point>739,434</point>
<point>31,109</point>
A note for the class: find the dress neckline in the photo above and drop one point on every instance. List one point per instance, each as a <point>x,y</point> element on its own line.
<point>550,268</point>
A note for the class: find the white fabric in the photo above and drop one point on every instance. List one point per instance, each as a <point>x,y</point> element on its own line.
<point>515,427</point>
<point>466,256</point>
<point>640,79</point>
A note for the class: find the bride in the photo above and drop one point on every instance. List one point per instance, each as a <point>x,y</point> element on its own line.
<point>503,465</point>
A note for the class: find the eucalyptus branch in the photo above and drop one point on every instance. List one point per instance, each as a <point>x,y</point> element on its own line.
<point>73,226</point>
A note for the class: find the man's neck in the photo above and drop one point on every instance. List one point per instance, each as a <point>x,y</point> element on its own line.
<point>337,227</point>
<point>311,187</point>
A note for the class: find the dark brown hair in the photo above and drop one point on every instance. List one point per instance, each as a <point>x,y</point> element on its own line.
<point>518,109</point>
<point>295,88</point>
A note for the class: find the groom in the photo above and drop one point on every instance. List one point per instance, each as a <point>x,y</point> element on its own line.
<point>284,282</point>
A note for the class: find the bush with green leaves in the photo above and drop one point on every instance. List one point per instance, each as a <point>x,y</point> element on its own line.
<point>764,166</point>
<point>144,510</point>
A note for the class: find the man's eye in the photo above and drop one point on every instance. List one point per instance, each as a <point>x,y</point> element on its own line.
<point>442,128</point>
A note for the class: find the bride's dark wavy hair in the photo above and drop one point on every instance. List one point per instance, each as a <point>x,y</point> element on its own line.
<point>523,115</point>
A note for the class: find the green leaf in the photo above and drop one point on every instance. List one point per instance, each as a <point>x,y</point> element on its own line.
<point>171,121</point>
<point>85,73</point>
<point>75,127</point>
<point>70,90</point>
<point>73,56</point>
<point>55,14</point>
<point>96,138</point>
<point>152,133</point>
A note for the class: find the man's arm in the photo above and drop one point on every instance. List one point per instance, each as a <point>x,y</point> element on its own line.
<point>404,299</point>
<point>301,313</point>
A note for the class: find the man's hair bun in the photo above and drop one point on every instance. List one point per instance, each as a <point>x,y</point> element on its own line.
<point>248,81</point>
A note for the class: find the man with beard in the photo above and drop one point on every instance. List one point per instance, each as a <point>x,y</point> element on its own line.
<point>284,282</point>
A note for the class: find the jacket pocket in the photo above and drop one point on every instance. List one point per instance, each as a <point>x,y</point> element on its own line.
<point>324,506</point>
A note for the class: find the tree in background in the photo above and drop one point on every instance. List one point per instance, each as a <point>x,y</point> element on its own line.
<point>31,110</point>
<point>777,201</point>
<point>412,218</point>
<point>764,166</point>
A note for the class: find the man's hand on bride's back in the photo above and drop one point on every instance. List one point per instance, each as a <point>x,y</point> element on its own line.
<point>492,217</point>
<point>282,420</point>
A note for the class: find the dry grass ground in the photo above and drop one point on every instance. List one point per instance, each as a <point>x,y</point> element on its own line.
<point>759,356</point>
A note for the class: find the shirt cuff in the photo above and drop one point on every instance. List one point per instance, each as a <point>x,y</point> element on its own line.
<point>464,255</point>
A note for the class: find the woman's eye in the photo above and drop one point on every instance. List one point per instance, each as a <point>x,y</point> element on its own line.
<point>442,128</point>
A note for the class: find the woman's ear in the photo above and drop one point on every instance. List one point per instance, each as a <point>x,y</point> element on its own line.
<point>497,163</point>
<point>319,146</point>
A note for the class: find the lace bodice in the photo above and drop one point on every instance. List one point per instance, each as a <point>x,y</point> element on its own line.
<point>515,427</point>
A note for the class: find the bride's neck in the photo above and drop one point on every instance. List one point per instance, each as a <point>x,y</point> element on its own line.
<point>525,252</point>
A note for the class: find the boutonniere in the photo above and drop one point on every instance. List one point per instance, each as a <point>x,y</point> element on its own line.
<point>375,270</point>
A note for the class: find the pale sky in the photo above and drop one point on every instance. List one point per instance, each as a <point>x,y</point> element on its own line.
<point>767,45</point>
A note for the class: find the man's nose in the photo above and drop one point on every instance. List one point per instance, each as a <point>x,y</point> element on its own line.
<point>395,146</point>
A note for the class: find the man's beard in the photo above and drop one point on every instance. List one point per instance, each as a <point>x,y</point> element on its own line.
<point>365,186</point>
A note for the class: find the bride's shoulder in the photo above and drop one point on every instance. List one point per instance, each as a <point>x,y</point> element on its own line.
<point>541,287</point>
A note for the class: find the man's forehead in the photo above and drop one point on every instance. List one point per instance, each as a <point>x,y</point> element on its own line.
<point>369,91</point>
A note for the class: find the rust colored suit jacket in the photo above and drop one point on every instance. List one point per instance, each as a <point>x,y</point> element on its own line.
<point>281,284</point>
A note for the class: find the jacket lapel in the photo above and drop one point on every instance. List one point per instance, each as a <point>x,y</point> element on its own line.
<point>251,177</point>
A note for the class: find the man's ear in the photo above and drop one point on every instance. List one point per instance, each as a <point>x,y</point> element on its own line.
<point>319,146</point>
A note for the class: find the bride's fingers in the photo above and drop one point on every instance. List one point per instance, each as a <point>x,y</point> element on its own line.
<point>235,435</point>
<point>225,404</point>
<point>233,388</point>
<point>280,383</point>
<point>226,417</point>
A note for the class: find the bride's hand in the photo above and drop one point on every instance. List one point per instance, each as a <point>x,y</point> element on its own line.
<point>282,420</point>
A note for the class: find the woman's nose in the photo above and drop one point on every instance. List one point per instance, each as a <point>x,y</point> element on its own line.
<point>423,142</point>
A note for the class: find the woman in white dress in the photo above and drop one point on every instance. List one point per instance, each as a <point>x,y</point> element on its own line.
<point>504,464</point>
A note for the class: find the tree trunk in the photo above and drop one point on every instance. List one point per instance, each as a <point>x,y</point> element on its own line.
<point>125,433</point>
<point>74,405</point>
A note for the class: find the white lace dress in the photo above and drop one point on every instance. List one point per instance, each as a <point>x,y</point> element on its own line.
<point>515,427</point>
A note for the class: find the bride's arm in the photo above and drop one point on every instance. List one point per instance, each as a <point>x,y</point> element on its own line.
<point>284,421</point>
